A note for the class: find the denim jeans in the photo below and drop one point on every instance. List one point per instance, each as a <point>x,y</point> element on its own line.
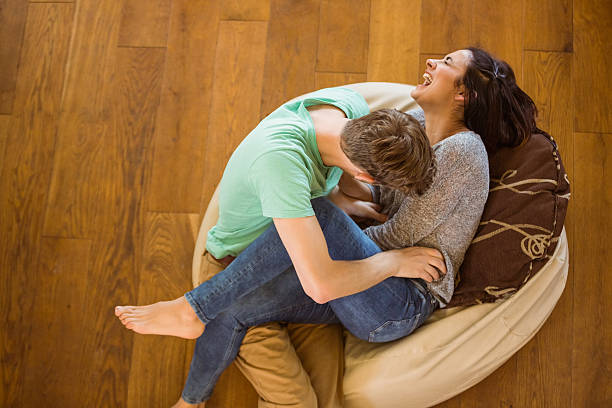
<point>261,286</point>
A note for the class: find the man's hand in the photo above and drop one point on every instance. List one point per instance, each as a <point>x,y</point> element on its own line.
<point>419,262</point>
<point>355,207</point>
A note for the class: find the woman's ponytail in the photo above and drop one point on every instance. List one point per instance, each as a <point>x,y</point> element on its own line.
<point>496,108</point>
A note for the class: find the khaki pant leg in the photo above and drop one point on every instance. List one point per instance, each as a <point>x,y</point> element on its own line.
<point>320,347</point>
<point>268,360</point>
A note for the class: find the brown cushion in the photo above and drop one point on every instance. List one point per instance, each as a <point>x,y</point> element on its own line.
<point>520,225</point>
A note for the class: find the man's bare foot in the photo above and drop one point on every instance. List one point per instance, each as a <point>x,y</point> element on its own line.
<point>173,318</point>
<point>182,404</point>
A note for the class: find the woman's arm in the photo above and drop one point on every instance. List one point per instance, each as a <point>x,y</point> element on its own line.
<point>356,207</point>
<point>355,188</point>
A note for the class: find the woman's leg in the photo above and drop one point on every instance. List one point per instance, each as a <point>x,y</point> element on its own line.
<point>281,299</point>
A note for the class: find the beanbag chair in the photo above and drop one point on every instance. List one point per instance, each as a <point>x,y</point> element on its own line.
<point>459,346</point>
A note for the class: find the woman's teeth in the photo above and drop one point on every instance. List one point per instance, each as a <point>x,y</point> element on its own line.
<point>427,78</point>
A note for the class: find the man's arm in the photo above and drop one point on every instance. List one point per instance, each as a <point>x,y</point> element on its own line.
<point>324,279</point>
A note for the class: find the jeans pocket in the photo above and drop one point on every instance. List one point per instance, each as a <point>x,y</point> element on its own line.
<point>394,329</point>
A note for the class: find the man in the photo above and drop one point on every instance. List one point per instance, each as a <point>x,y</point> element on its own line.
<point>297,154</point>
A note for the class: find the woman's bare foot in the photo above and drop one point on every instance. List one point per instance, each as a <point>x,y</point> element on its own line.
<point>182,404</point>
<point>173,318</point>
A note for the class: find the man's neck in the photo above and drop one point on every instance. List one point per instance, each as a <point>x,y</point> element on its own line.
<point>329,122</point>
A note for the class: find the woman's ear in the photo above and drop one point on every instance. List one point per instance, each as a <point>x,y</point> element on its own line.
<point>460,94</point>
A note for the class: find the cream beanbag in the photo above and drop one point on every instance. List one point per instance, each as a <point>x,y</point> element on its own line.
<point>457,347</point>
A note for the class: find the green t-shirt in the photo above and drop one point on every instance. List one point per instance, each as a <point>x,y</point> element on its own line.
<point>276,171</point>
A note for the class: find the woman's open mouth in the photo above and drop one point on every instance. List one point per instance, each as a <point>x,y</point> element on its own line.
<point>427,79</point>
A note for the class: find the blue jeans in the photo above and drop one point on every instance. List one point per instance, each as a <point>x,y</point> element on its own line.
<point>261,286</point>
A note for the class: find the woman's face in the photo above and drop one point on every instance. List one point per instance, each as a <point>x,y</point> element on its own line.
<point>440,79</point>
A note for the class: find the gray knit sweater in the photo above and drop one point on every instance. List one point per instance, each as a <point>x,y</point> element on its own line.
<point>446,216</point>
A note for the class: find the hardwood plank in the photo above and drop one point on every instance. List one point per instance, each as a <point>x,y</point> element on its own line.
<point>248,10</point>
<point>548,25</point>
<point>180,131</point>
<point>445,25</point>
<point>157,370</point>
<point>343,42</point>
<point>496,390</point>
<point>329,79</point>
<point>592,356</point>
<point>548,82</point>
<point>72,196</point>
<point>544,369</point>
<point>237,89</point>
<point>499,30</point>
<point>393,53</point>
<point>592,66</point>
<point>24,177</point>
<point>291,52</point>
<point>119,171</point>
<point>13,15</point>
<point>57,315</point>
<point>144,23</point>
<point>5,122</point>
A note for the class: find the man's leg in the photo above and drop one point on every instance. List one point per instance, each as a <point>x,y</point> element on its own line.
<point>320,348</point>
<point>268,360</point>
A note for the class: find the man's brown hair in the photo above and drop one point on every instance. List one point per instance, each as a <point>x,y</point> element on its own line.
<point>392,147</point>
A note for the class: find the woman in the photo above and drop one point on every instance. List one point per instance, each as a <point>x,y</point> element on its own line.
<point>466,93</point>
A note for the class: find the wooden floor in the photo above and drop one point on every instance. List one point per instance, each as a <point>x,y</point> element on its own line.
<point>116,120</point>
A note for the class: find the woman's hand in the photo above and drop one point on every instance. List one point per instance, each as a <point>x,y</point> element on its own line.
<point>355,207</point>
<point>418,262</point>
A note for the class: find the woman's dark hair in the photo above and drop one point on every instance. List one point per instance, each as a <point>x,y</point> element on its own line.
<point>495,107</point>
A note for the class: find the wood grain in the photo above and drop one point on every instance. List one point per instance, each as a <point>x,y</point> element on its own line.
<point>247,10</point>
<point>548,25</point>
<point>120,172</point>
<point>13,15</point>
<point>592,66</point>
<point>291,52</point>
<point>343,42</point>
<point>24,178</point>
<point>393,52</point>
<point>329,79</point>
<point>72,196</point>
<point>5,123</point>
<point>236,93</point>
<point>180,131</point>
<point>158,363</point>
<point>144,23</point>
<point>592,331</point>
<point>499,30</point>
<point>445,25</point>
<point>57,315</point>
<point>78,150</point>
<point>496,390</point>
<point>543,363</point>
